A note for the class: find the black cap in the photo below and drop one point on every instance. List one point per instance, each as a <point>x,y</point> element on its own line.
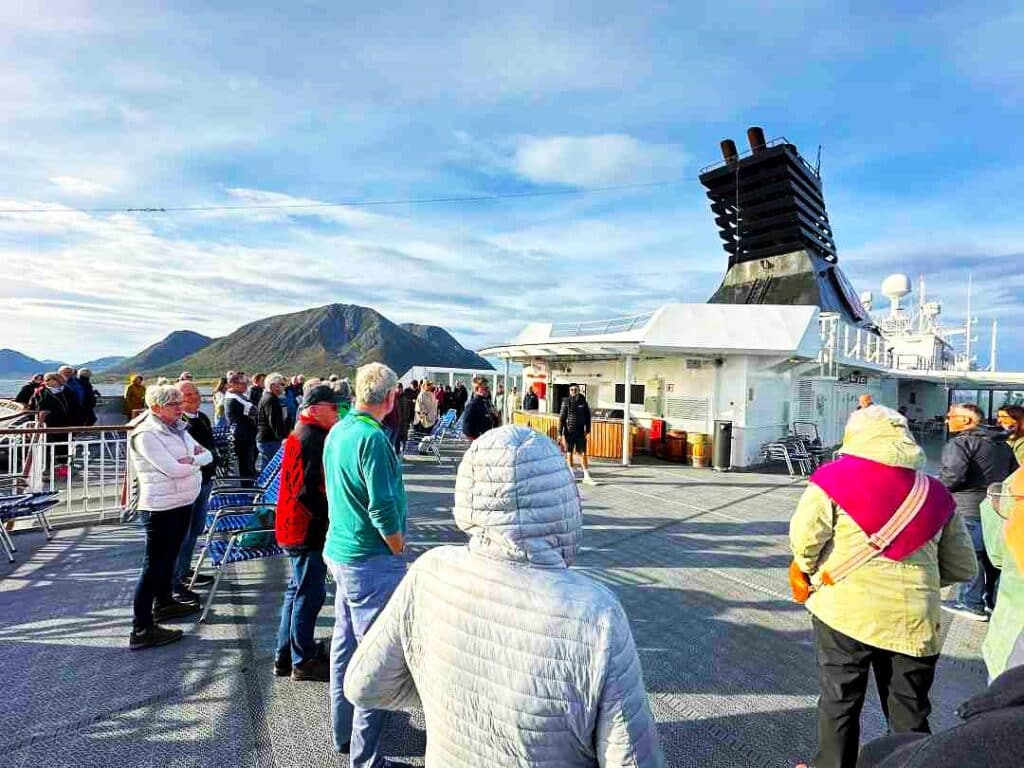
<point>321,393</point>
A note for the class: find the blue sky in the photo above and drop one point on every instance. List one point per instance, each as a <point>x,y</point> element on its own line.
<point>918,111</point>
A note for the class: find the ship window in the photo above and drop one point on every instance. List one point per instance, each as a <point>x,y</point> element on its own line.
<point>636,393</point>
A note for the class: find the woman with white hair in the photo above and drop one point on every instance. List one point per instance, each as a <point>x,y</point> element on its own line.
<point>515,658</point>
<point>167,464</point>
<point>873,540</point>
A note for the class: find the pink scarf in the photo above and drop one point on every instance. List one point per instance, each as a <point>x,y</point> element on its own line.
<point>870,493</point>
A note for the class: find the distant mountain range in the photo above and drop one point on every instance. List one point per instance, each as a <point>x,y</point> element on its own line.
<point>15,365</point>
<point>336,338</point>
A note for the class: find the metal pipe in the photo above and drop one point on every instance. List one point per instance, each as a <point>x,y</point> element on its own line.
<point>755,135</point>
<point>626,436</point>
<point>729,153</point>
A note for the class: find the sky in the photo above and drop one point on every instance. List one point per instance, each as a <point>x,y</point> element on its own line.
<point>918,111</point>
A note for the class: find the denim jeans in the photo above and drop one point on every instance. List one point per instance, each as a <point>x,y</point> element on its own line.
<point>164,531</point>
<point>980,591</point>
<point>195,527</point>
<point>363,589</point>
<point>267,452</point>
<point>303,599</point>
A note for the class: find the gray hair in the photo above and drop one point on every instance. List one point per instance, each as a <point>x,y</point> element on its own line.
<point>314,382</point>
<point>162,394</point>
<point>85,373</point>
<point>374,382</point>
<point>66,367</point>
<point>237,378</point>
<point>185,384</point>
<point>274,378</point>
<point>343,388</point>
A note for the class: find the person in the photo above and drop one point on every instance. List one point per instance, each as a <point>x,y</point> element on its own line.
<point>56,411</point>
<point>28,389</point>
<point>515,658</point>
<point>865,401</point>
<point>573,428</point>
<point>883,614</point>
<point>393,420</point>
<point>992,727</point>
<point>76,395</point>
<point>442,402</point>
<point>974,457</point>
<point>271,415</point>
<point>426,408</point>
<point>218,401</point>
<point>300,525</point>
<point>530,400</point>
<point>201,430</point>
<point>241,417</point>
<point>364,547</point>
<point>1011,419</point>
<point>406,407</point>
<point>185,376</point>
<point>461,397</point>
<point>292,394</point>
<point>343,395</point>
<point>134,396</point>
<point>480,415</point>
<point>90,397</point>
<point>167,464</point>
<point>255,391</point>
<point>499,403</point>
<point>413,390</point>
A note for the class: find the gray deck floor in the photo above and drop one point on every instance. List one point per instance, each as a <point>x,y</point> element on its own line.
<point>697,558</point>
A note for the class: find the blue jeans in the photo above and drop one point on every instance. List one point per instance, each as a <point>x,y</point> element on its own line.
<point>363,589</point>
<point>303,599</point>
<point>267,452</point>
<point>980,591</point>
<point>195,527</point>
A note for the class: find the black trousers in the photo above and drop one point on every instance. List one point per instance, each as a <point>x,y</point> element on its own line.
<point>245,452</point>
<point>903,684</point>
<point>165,530</point>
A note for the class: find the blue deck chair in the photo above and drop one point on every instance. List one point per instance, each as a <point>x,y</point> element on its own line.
<point>431,443</point>
<point>25,505</point>
<point>224,442</point>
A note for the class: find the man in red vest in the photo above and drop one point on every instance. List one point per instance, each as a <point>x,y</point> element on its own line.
<point>301,527</point>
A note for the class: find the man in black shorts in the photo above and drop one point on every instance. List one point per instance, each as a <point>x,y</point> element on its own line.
<point>573,428</point>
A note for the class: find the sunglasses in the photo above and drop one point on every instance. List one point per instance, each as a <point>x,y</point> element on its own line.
<point>1004,502</point>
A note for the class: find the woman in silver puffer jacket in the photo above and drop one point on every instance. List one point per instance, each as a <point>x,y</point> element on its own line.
<point>515,659</point>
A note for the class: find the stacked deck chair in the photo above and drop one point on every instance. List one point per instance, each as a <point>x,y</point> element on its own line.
<point>25,505</point>
<point>224,442</point>
<point>240,524</point>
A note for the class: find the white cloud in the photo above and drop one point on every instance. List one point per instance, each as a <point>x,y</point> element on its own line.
<point>582,161</point>
<point>72,185</point>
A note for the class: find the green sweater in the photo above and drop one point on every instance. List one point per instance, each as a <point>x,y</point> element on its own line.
<point>1007,622</point>
<point>365,492</point>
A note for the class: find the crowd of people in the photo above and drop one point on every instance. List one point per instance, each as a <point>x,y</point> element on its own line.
<point>874,539</point>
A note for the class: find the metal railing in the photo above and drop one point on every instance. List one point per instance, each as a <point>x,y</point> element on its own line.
<point>601,327</point>
<point>842,343</point>
<point>87,466</point>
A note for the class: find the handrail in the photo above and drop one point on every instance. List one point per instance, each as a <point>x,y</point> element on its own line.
<point>94,430</point>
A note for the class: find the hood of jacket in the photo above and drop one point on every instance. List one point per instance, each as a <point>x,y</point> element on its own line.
<point>885,438</point>
<point>516,499</point>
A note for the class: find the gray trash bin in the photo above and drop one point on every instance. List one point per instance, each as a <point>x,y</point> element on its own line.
<point>721,454</point>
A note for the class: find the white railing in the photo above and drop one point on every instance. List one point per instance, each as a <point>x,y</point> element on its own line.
<point>86,466</point>
<point>842,343</point>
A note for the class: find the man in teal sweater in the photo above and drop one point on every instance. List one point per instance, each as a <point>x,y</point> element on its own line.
<point>365,541</point>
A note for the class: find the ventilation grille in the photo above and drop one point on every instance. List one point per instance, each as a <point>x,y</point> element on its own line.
<point>683,408</point>
<point>805,400</point>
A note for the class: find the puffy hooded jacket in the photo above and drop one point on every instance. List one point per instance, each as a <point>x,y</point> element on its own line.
<point>516,659</point>
<point>971,461</point>
<point>1004,543</point>
<point>163,482</point>
<point>885,603</point>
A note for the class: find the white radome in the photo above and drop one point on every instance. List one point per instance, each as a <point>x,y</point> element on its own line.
<point>896,286</point>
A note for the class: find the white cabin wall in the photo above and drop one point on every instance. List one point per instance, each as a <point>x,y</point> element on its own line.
<point>929,399</point>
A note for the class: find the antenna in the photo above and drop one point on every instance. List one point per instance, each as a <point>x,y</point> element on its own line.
<point>992,351</point>
<point>817,165</point>
<point>969,323</point>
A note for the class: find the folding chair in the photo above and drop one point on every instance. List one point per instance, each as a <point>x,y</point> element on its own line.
<point>422,444</point>
<point>25,505</point>
<point>224,442</point>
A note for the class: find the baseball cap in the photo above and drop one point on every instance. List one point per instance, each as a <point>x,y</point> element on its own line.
<point>319,394</point>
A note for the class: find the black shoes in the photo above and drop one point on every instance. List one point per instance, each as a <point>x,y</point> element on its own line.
<point>174,610</point>
<point>201,580</point>
<point>185,595</point>
<point>153,636</point>
<point>317,670</point>
<point>283,663</point>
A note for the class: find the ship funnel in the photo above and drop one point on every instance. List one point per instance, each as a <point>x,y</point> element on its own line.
<point>729,153</point>
<point>755,135</point>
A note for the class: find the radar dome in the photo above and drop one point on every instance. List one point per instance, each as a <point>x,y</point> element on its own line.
<point>896,286</point>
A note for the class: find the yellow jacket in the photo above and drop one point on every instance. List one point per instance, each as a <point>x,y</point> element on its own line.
<point>134,398</point>
<point>885,604</point>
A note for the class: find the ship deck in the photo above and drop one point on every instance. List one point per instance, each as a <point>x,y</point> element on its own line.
<point>697,558</point>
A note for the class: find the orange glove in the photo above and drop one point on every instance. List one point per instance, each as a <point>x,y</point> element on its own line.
<point>799,583</point>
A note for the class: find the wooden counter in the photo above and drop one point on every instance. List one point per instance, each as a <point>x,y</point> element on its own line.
<point>604,441</point>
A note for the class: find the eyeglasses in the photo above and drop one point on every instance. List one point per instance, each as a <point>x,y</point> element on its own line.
<point>1004,502</point>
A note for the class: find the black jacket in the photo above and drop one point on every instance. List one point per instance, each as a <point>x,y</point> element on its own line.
<point>406,406</point>
<point>202,432</point>
<point>479,416</point>
<point>89,396</point>
<point>971,461</point>
<point>25,394</point>
<point>531,402</point>
<point>59,410</point>
<point>270,419</point>
<point>574,417</point>
<point>255,394</point>
<point>243,425</point>
<point>991,734</point>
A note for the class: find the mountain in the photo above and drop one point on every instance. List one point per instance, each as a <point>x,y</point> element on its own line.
<point>336,338</point>
<point>173,347</point>
<point>14,365</point>
<point>102,364</point>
